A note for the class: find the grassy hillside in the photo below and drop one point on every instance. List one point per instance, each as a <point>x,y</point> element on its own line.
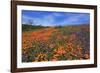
<point>55,44</point>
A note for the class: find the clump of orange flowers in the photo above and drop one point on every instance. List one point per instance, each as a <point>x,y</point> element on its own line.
<point>55,57</point>
<point>41,57</point>
<point>69,47</point>
<point>60,50</point>
<point>26,44</point>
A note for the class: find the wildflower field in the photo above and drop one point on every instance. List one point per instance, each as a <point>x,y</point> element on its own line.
<point>57,43</point>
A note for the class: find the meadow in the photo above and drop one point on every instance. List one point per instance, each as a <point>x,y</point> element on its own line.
<point>56,43</point>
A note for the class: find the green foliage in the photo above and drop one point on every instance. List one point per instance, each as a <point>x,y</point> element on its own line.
<point>26,27</point>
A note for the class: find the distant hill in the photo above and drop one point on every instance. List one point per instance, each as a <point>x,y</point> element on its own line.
<point>26,27</point>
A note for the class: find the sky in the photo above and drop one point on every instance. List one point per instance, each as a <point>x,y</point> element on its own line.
<point>48,18</point>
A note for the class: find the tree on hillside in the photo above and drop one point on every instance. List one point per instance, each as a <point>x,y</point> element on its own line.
<point>30,22</point>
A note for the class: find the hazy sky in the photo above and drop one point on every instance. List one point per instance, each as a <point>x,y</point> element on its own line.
<point>47,18</point>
